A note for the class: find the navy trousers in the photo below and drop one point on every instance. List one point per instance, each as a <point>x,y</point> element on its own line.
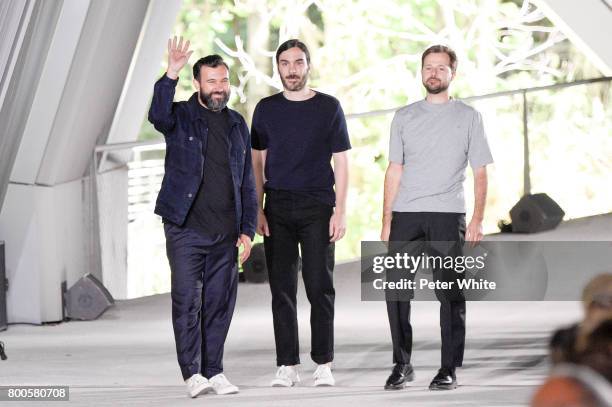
<point>204,282</point>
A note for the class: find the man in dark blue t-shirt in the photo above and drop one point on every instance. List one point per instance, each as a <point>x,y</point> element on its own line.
<point>294,135</point>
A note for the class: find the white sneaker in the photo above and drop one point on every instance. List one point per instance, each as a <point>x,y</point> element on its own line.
<point>286,376</point>
<point>323,376</point>
<point>221,385</point>
<point>197,384</point>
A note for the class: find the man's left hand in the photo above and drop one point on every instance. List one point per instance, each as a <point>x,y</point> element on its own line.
<point>337,226</point>
<point>245,241</point>
<point>473,234</point>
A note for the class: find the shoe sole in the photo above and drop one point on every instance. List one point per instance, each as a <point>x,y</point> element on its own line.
<point>408,378</point>
<point>203,390</point>
<point>327,384</point>
<point>224,392</point>
<point>443,387</point>
<point>279,384</point>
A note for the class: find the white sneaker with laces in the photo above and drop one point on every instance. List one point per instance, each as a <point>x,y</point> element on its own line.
<point>323,376</point>
<point>197,384</point>
<point>221,385</point>
<point>286,376</point>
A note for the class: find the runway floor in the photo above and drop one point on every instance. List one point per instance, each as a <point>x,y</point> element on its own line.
<point>127,357</point>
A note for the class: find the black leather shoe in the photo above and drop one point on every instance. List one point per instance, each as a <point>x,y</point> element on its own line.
<point>444,380</point>
<point>401,374</point>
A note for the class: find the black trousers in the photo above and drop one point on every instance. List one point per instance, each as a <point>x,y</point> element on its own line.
<point>204,282</point>
<point>430,227</point>
<point>299,221</point>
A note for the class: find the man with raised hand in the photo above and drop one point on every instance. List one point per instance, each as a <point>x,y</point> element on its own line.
<point>209,208</point>
<point>432,141</point>
<point>295,135</point>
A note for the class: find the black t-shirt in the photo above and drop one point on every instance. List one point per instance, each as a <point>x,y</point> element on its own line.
<point>300,138</point>
<point>214,209</point>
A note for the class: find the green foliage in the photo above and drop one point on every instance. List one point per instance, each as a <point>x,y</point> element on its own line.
<point>367,53</point>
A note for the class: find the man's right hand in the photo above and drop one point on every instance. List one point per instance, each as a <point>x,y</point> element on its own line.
<point>178,55</point>
<point>262,224</point>
<point>386,231</point>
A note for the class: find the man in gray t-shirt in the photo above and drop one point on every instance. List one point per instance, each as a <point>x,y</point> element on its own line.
<point>432,141</point>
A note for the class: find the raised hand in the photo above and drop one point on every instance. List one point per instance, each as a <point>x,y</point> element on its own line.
<point>178,55</point>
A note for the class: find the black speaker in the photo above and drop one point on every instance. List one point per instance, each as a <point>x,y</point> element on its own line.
<point>254,268</point>
<point>3,289</point>
<point>87,299</point>
<point>535,213</point>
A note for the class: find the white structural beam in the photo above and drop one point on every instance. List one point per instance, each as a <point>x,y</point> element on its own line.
<point>145,66</point>
<point>99,68</point>
<point>43,230</point>
<point>49,91</point>
<point>14,16</point>
<point>587,24</point>
<point>69,66</point>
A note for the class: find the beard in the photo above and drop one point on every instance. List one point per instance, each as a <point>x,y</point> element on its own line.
<point>295,86</point>
<point>213,101</point>
<point>439,87</point>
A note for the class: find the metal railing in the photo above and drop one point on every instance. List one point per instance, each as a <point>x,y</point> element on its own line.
<point>145,173</point>
<point>160,145</point>
<point>525,114</point>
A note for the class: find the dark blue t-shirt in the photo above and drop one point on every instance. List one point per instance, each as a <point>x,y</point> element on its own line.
<point>300,138</point>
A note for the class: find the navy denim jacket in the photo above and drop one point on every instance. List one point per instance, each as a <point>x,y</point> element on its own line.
<point>186,131</point>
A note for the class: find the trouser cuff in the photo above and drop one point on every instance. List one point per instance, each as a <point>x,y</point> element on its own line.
<point>287,362</point>
<point>322,359</point>
<point>208,373</point>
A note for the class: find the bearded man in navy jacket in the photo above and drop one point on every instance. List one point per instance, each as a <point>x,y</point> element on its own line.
<point>208,205</point>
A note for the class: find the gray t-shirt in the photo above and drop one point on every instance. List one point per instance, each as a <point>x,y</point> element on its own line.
<point>434,143</point>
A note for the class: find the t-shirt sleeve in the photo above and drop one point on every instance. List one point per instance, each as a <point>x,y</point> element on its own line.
<point>479,153</point>
<point>339,137</point>
<point>259,139</point>
<point>396,144</point>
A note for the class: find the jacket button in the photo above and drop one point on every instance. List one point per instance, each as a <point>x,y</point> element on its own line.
<point>190,138</point>
<point>189,195</point>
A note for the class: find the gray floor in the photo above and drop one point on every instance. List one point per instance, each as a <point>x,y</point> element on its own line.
<point>127,356</point>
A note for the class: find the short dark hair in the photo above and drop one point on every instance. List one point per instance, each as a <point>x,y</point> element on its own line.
<point>211,61</point>
<point>293,43</point>
<point>436,49</point>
